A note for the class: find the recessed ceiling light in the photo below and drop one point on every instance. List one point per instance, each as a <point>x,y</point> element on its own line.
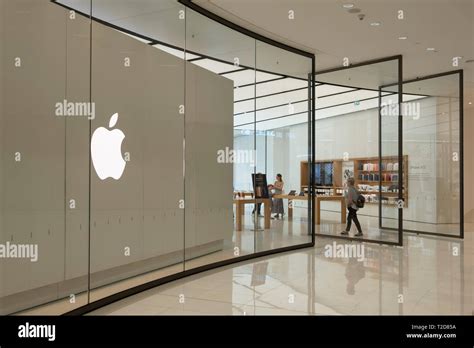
<point>430,49</point>
<point>375,24</point>
<point>348,5</point>
<point>402,38</point>
<point>470,103</point>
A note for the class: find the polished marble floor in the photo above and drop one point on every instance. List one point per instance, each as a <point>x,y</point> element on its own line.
<point>429,276</point>
<point>426,272</point>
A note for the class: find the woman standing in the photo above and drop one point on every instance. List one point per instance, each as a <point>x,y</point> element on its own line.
<point>277,204</point>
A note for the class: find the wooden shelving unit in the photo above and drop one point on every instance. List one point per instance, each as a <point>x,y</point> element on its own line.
<point>360,174</point>
<point>389,196</point>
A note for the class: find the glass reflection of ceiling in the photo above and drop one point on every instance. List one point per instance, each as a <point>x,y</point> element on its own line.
<point>276,93</point>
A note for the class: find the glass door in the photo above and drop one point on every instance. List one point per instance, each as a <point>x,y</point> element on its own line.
<point>359,152</point>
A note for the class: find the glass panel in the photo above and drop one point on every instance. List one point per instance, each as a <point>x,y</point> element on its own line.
<point>44,112</point>
<point>282,115</point>
<point>431,130</point>
<point>137,186</point>
<point>142,152</point>
<point>389,168</point>
<point>77,156</point>
<point>348,144</point>
<point>220,148</point>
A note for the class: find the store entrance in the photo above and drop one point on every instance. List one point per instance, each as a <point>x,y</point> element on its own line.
<point>359,154</point>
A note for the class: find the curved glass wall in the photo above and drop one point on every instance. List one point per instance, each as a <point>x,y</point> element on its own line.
<point>141,140</point>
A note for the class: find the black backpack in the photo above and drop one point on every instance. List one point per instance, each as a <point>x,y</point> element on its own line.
<point>360,201</point>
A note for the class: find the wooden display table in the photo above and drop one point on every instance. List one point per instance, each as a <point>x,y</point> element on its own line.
<point>240,209</point>
<point>317,205</point>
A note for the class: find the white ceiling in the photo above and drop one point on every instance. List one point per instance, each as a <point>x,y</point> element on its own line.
<point>281,88</point>
<point>325,28</point>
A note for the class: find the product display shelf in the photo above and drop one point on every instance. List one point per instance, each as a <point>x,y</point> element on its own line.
<point>372,196</point>
<point>370,171</point>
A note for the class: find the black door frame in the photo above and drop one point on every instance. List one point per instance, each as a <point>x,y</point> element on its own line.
<point>399,83</point>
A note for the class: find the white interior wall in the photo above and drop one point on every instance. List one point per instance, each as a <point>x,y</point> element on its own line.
<point>447,160</point>
<point>469,163</point>
<point>243,170</point>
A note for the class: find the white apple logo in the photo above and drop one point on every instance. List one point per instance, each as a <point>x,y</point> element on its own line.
<point>106,151</point>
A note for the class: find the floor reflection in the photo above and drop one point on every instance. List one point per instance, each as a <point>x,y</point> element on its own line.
<point>431,276</point>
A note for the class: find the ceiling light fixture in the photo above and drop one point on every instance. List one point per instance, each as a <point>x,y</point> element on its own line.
<point>375,24</point>
<point>402,38</point>
<point>470,103</point>
<point>348,5</point>
<point>430,49</point>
